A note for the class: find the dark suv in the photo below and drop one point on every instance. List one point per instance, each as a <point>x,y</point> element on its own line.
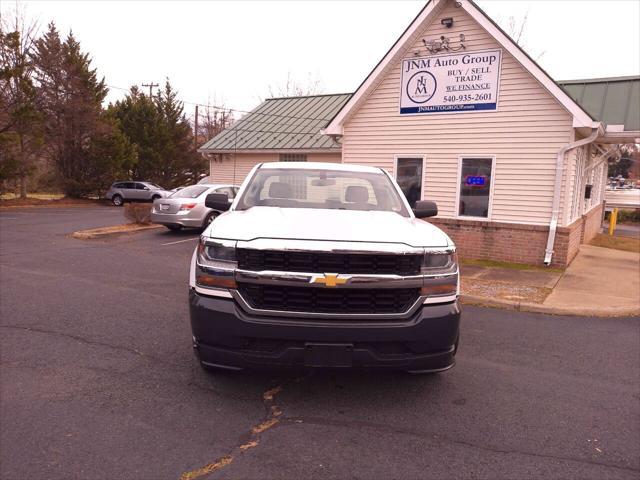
<point>121,192</point>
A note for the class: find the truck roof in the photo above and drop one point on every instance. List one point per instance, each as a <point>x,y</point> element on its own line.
<point>343,167</point>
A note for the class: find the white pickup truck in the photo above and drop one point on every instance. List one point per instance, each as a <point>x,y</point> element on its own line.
<point>324,265</point>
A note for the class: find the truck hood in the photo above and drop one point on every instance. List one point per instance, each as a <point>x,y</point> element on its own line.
<point>332,225</point>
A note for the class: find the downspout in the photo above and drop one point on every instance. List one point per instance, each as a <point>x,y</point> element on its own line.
<point>553,225</point>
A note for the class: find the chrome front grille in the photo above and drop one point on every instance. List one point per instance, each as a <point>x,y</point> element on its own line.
<point>347,301</point>
<point>344,263</point>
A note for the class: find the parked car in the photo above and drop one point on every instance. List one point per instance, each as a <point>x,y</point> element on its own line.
<point>121,192</point>
<point>186,208</point>
<point>324,265</point>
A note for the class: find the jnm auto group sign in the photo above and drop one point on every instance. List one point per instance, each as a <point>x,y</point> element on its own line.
<point>460,82</point>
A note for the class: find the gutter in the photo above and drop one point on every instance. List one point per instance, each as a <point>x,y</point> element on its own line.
<point>272,150</point>
<point>557,190</point>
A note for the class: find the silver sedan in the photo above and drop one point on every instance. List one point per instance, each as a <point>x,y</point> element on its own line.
<point>185,208</point>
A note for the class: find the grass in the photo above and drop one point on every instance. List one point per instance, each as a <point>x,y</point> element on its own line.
<point>492,289</point>
<point>35,201</point>
<point>38,196</point>
<point>628,244</point>
<point>625,216</point>
<point>510,265</point>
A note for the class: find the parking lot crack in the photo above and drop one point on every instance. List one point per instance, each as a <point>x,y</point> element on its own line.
<point>71,278</point>
<point>247,441</point>
<point>289,421</point>
<point>76,338</point>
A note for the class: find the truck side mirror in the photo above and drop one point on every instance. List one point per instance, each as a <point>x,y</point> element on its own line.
<point>218,201</point>
<point>425,208</point>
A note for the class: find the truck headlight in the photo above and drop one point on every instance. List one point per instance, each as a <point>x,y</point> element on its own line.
<point>440,270</point>
<point>439,262</point>
<point>214,252</point>
<point>216,263</point>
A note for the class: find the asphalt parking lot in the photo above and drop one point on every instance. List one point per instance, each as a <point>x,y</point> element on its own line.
<point>98,381</point>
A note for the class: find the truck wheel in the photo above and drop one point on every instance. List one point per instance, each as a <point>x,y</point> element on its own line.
<point>117,200</point>
<point>174,228</point>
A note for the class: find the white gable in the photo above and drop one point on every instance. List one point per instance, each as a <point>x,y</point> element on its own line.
<point>412,36</point>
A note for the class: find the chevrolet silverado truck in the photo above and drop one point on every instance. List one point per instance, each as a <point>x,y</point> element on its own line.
<point>323,265</point>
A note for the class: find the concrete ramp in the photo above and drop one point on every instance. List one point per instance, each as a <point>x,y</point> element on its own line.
<point>599,278</point>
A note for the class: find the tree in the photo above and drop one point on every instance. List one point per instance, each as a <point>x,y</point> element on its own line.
<point>621,167</point>
<point>295,88</point>
<point>110,156</point>
<point>516,30</point>
<point>211,121</point>
<point>629,154</point>
<point>82,142</point>
<point>140,122</point>
<point>20,120</point>
<point>182,164</point>
<point>162,136</point>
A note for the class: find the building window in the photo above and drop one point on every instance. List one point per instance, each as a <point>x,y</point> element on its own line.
<point>409,173</point>
<point>293,157</point>
<point>474,198</point>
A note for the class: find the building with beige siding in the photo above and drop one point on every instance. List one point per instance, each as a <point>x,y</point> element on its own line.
<point>459,114</point>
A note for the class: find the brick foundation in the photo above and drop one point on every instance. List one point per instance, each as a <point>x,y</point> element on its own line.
<point>567,243</point>
<point>592,223</point>
<point>513,242</point>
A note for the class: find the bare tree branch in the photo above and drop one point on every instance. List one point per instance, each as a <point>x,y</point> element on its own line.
<point>295,88</point>
<point>516,29</point>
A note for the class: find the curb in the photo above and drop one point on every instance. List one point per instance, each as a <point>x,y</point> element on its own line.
<point>547,309</point>
<point>96,233</point>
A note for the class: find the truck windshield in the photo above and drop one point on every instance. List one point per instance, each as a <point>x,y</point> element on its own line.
<point>322,189</point>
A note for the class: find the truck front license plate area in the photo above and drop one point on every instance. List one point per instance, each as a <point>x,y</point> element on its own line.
<point>328,354</point>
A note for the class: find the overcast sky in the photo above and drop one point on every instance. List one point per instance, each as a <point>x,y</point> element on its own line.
<point>231,52</point>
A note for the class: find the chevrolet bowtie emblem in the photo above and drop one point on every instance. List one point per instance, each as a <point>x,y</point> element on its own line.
<point>329,280</point>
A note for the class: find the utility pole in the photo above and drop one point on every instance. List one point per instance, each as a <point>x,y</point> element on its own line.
<point>151,87</point>
<point>195,129</point>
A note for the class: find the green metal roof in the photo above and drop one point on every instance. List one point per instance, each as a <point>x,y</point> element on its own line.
<point>614,101</point>
<point>290,123</point>
<point>294,123</point>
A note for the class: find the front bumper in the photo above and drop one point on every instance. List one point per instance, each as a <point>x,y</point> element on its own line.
<point>185,219</point>
<point>225,336</point>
